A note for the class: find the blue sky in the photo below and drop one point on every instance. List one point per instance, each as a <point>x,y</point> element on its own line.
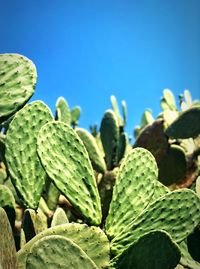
<point>88,50</point>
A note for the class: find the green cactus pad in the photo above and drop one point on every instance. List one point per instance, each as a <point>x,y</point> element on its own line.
<point>17,83</point>
<point>133,190</point>
<point>92,148</point>
<point>91,240</point>
<point>62,111</point>
<point>122,146</point>
<point>6,197</point>
<point>186,125</point>
<point>59,217</point>
<point>67,163</point>
<point>33,223</point>
<point>28,175</point>
<point>57,251</point>
<point>124,112</point>
<point>154,250</point>
<point>186,259</point>
<point>115,108</point>
<point>159,190</point>
<point>109,132</point>
<point>177,213</point>
<point>153,138</point>
<point>75,115</point>
<point>168,100</point>
<point>172,167</point>
<point>7,245</point>
<point>147,118</point>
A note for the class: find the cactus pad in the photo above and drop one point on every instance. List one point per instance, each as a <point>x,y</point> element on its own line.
<point>27,173</point>
<point>91,240</point>
<point>67,163</point>
<point>58,252</point>
<point>94,152</point>
<point>59,217</point>
<point>7,245</point>
<point>17,83</point>
<point>177,213</point>
<point>172,167</point>
<point>153,250</point>
<point>62,111</point>
<point>133,190</point>
<point>186,125</point>
<point>109,132</point>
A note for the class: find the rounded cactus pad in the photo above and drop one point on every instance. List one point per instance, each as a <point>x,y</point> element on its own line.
<point>17,83</point>
<point>8,258</point>
<point>177,213</point>
<point>57,251</point>
<point>67,163</point>
<point>133,190</point>
<point>186,125</point>
<point>153,250</point>
<point>62,111</point>
<point>28,175</point>
<point>109,132</point>
<point>94,152</point>
<point>91,240</point>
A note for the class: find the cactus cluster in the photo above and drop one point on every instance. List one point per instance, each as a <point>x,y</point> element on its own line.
<point>70,198</point>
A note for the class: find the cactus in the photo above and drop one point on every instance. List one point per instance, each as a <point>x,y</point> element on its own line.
<point>7,247</point>
<point>168,100</point>
<point>166,214</point>
<point>133,190</point>
<point>153,250</point>
<point>48,253</point>
<point>186,125</point>
<point>172,168</point>
<point>62,111</point>
<point>17,83</point>
<point>109,132</point>
<point>59,217</point>
<point>75,115</point>
<point>7,202</point>
<point>91,240</point>
<point>95,155</point>
<point>153,138</point>
<point>186,259</point>
<point>28,175</point>
<point>67,163</point>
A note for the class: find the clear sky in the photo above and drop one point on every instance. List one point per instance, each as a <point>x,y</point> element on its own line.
<point>88,50</point>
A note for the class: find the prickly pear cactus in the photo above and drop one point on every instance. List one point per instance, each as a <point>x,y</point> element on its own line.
<point>133,190</point>
<point>56,251</point>
<point>67,163</point>
<point>7,246</point>
<point>153,250</point>
<point>17,83</point>
<point>166,213</point>
<point>62,111</point>
<point>91,240</point>
<point>186,125</point>
<point>92,149</point>
<point>59,217</point>
<point>27,173</point>
<point>109,132</point>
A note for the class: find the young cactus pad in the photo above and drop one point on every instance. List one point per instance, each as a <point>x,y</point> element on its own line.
<point>67,163</point>
<point>56,251</point>
<point>62,111</point>
<point>133,190</point>
<point>28,175</point>
<point>177,213</point>
<point>17,83</point>
<point>91,240</point>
